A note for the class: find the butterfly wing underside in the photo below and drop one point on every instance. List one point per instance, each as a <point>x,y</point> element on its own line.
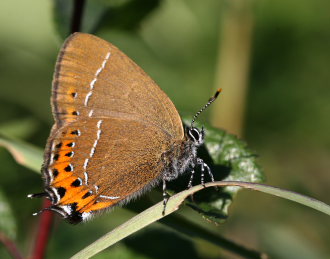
<point>112,125</point>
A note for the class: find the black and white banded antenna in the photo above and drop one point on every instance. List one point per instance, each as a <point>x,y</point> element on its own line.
<point>210,101</point>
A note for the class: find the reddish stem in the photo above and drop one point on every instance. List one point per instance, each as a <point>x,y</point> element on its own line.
<point>11,246</point>
<point>45,223</point>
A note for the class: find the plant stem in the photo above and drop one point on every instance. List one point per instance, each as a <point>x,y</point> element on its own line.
<point>77,15</point>
<point>11,246</point>
<point>45,224</point>
<point>233,65</point>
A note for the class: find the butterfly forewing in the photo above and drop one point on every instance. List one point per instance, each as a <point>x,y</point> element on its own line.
<point>107,83</point>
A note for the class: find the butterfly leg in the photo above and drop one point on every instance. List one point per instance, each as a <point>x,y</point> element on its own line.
<point>165,196</point>
<point>201,163</point>
<point>203,167</point>
<point>191,179</point>
<point>209,171</point>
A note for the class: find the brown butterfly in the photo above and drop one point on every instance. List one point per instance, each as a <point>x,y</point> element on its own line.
<point>116,133</point>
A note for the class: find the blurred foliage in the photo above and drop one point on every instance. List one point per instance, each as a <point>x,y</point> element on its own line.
<point>7,218</point>
<point>175,42</point>
<point>24,153</point>
<point>98,14</point>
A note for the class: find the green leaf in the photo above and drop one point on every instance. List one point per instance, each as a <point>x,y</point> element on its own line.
<point>154,213</point>
<point>128,15</point>
<point>24,153</point>
<point>230,160</point>
<point>20,128</point>
<point>7,220</point>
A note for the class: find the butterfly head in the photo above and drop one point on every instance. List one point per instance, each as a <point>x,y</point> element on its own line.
<point>196,135</point>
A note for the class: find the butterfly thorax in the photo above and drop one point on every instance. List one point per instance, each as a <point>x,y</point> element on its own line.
<point>182,155</point>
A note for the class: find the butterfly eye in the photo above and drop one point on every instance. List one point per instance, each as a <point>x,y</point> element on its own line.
<point>195,135</point>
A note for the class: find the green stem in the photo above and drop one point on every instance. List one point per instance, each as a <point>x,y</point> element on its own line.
<point>154,213</point>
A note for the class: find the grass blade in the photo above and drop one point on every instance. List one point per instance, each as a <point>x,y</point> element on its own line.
<point>24,153</point>
<point>154,213</point>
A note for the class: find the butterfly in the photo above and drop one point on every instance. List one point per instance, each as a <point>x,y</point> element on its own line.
<point>116,133</point>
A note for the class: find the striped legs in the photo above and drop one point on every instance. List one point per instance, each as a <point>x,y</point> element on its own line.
<point>204,167</point>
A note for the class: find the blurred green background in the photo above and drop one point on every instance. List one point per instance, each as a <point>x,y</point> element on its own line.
<point>283,96</point>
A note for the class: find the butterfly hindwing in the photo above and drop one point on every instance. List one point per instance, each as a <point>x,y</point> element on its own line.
<point>100,162</point>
